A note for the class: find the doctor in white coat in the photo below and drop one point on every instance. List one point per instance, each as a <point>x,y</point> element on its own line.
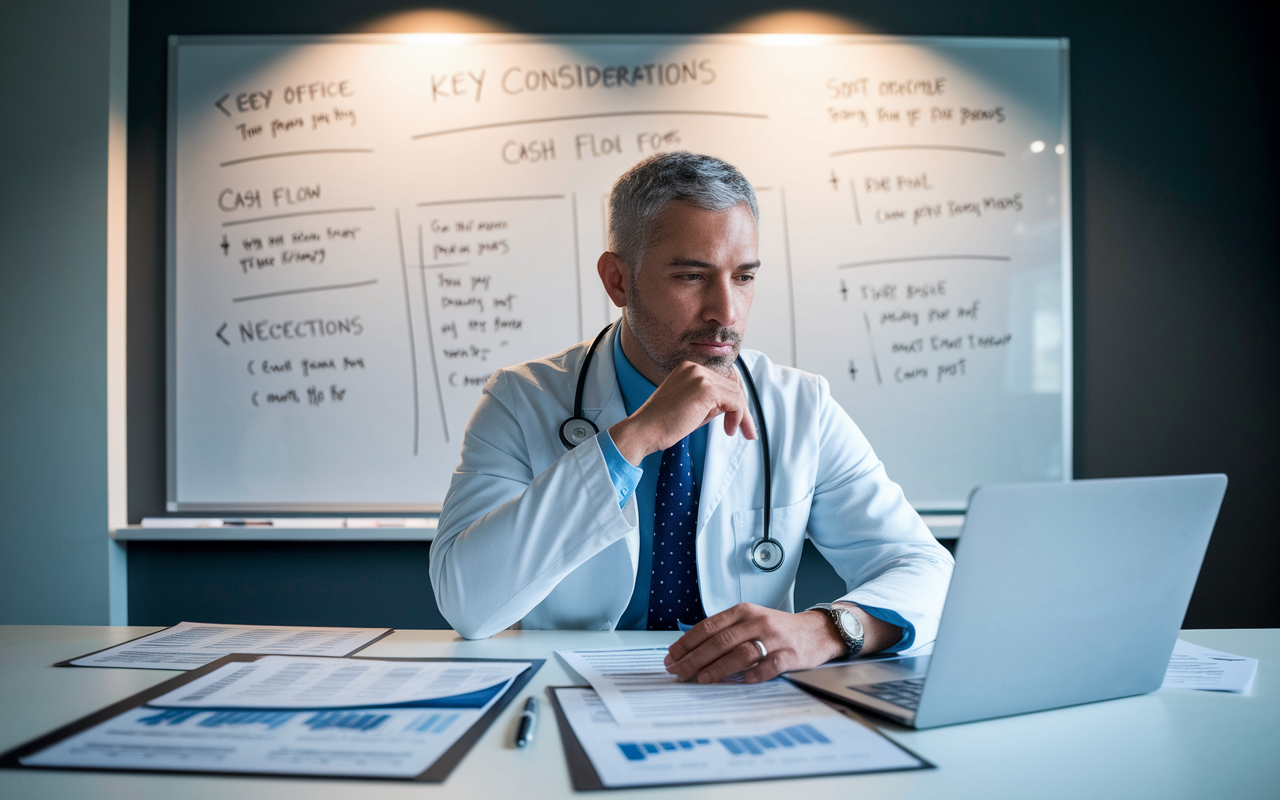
<point>545,536</point>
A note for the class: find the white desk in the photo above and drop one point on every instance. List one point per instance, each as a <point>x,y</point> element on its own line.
<point>1170,744</point>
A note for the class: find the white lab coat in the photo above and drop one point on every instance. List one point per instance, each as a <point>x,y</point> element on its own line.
<point>533,533</point>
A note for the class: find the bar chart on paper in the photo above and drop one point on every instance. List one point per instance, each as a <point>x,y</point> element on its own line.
<point>792,736</point>
<point>729,746</point>
<point>382,742</point>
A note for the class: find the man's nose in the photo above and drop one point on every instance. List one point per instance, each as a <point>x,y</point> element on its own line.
<point>720,305</point>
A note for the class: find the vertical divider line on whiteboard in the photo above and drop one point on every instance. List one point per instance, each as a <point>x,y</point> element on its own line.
<point>791,288</point>
<point>875,361</point>
<point>577,261</point>
<point>431,335</point>
<point>408,318</point>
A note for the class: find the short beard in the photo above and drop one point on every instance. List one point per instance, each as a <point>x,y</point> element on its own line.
<point>645,329</point>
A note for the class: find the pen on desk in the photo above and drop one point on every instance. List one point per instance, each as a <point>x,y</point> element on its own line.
<point>528,721</point>
<point>247,523</point>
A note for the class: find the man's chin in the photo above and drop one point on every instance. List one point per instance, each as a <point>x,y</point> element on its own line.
<point>722,364</point>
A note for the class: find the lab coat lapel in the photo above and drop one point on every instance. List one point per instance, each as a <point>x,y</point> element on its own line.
<point>602,404</point>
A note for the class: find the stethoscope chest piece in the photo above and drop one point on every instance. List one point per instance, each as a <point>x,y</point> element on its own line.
<point>576,430</point>
<point>766,555</point>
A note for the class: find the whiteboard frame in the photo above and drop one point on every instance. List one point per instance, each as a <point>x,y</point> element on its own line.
<point>172,503</point>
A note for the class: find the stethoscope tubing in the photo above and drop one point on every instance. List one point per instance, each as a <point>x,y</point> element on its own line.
<point>768,466</point>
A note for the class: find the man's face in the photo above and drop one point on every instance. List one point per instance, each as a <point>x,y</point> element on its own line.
<point>690,298</point>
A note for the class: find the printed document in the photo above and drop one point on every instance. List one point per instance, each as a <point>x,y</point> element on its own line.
<point>188,645</point>
<point>813,740</point>
<point>637,689</point>
<point>1194,667</point>
<point>291,682</point>
<point>413,713</point>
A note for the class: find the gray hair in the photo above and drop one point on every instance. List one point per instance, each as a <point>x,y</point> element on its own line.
<point>643,192</point>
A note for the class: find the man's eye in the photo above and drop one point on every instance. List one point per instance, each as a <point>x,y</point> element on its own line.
<point>692,276</point>
<point>747,277</point>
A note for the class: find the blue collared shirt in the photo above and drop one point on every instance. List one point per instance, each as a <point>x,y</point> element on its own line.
<point>642,481</point>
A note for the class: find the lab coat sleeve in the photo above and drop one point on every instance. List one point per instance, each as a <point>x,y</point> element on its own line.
<point>508,536</point>
<point>862,523</point>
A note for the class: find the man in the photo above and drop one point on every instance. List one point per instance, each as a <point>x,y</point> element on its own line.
<point>650,523</point>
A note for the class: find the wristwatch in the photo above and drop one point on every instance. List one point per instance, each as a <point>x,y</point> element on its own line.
<point>848,626</point>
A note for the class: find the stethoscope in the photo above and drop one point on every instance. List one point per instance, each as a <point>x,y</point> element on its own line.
<point>766,554</point>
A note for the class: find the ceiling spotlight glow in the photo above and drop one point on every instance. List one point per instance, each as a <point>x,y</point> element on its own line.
<point>1037,146</point>
<point>437,38</point>
<point>1060,149</point>
<point>441,24</point>
<point>783,26</point>
<point>789,39</point>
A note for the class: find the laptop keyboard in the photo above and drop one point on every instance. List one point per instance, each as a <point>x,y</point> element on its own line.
<point>905,692</point>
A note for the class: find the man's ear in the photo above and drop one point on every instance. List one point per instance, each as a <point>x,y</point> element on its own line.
<point>615,276</point>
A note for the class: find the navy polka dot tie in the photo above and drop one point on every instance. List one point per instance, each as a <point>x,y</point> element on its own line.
<point>673,590</point>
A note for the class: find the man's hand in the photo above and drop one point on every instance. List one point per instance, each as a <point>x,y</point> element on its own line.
<point>690,397</point>
<point>724,645</point>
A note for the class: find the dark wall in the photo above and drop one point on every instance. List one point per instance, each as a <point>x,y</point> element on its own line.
<point>1174,233</point>
<point>369,585</point>
<point>345,584</point>
<point>54,555</point>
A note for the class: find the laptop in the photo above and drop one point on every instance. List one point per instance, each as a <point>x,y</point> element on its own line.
<point>1063,593</point>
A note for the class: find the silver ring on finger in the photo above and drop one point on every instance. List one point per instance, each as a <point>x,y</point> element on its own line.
<point>759,644</point>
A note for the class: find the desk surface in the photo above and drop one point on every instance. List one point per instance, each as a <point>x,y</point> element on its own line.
<point>1169,744</point>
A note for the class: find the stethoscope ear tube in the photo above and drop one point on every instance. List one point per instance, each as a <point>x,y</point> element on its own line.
<point>577,429</point>
<point>766,554</point>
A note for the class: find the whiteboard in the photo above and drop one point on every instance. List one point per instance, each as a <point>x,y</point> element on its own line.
<point>363,228</point>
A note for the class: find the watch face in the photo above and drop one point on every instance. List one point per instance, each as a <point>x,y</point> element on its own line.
<point>851,625</point>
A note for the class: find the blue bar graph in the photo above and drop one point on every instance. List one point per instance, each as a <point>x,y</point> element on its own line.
<point>793,736</point>
<point>639,751</point>
<point>786,737</point>
<point>432,723</point>
<point>173,716</point>
<point>346,720</point>
<point>219,719</point>
<point>272,719</point>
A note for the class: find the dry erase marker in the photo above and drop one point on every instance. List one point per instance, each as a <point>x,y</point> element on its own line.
<point>528,721</point>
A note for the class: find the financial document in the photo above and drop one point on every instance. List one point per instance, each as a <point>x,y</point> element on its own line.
<point>188,645</point>
<point>812,740</point>
<point>412,713</point>
<point>635,686</point>
<point>384,743</point>
<point>282,682</point>
<point>1194,667</point>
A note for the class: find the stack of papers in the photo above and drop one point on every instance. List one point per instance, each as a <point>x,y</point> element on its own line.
<point>639,727</point>
<point>193,644</point>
